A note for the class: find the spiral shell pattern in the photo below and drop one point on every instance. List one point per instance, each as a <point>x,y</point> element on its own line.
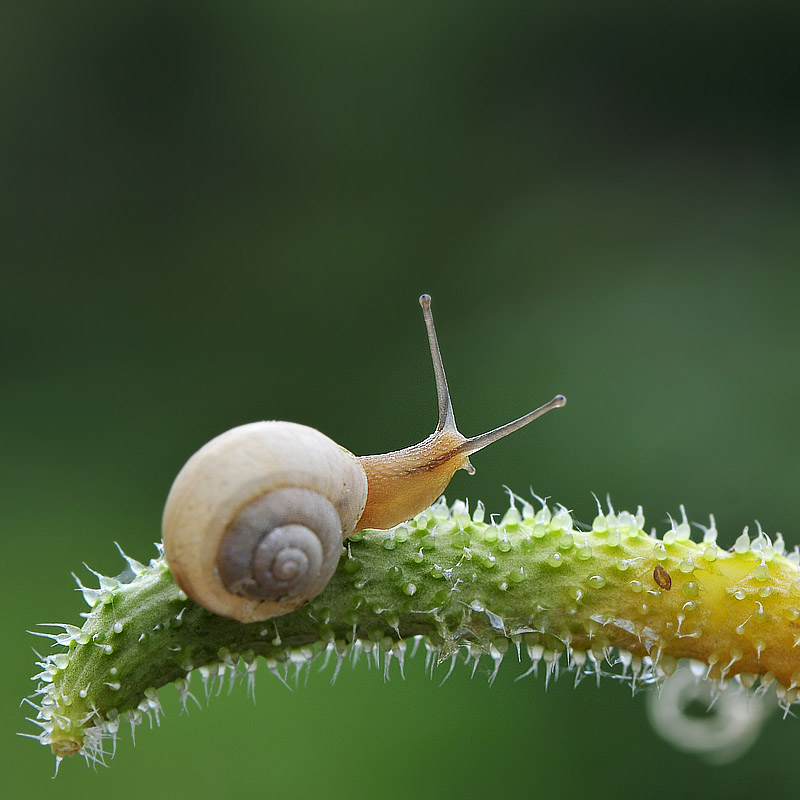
<point>281,546</point>
<point>254,522</point>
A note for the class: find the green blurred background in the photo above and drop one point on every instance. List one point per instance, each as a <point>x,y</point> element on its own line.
<point>214,213</point>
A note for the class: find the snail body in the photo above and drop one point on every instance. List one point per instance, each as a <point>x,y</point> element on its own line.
<point>255,520</point>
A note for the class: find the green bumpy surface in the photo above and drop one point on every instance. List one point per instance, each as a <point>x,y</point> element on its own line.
<point>459,584</point>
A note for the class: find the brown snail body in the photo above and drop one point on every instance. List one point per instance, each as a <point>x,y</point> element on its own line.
<point>254,522</point>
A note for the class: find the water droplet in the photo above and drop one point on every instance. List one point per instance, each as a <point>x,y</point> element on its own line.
<point>421,521</point>
<point>668,665</point>
<point>504,544</point>
<point>539,531</point>
<point>740,594</point>
<point>597,581</point>
<point>747,679</point>
<point>761,572</point>
<point>566,542</point>
<point>710,534</point>
<point>490,534</point>
<point>441,597</point>
<point>600,525</point>
<point>511,518</point>
<point>562,519</point>
<point>410,589</point>
<point>555,559</point>
<point>742,544</point>
<point>625,522</point>
<point>686,566</point>
<point>669,537</point>
<point>459,508</point>
<point>636,586</point>
<point>389,543</point>
<point>428,542</point>
<point>710,553</point>
<point>60,660</point>
<point>691,589</point>
<point>584,553</point>
<point>460,539</point>
<point>516,575</point>
<point>480,512</point>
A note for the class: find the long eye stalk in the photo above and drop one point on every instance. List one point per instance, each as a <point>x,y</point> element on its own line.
<point>475,443</point>
<point>447,420</point>
<point>402,483</point>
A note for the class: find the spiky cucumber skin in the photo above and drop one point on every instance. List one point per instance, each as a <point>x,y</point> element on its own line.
<point>456,581</point>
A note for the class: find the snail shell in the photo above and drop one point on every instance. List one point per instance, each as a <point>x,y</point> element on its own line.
<point>257,516</point>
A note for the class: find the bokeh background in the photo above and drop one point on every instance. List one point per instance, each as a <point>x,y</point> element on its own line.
<point>214,213</point>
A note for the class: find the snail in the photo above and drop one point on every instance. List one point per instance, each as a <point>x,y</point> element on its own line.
<point>255,521</point>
